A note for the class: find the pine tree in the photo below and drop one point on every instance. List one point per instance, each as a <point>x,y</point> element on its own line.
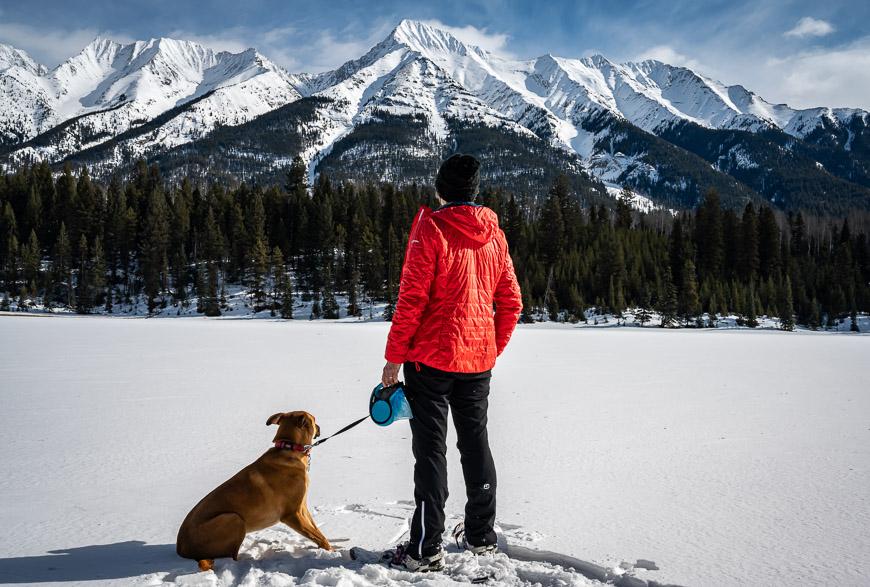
<point>689,303</point>
<point>768,243</point>
<point>526,315</point>
<point>155,264</point>
<point>751,318</point>
<point>623,210</point>
<point>353,308</point>
<point>287,299</point>
<point>668,303</point>
<point>84,291</point>
<point>552,228</point>
<point>786,305</point>
<point>576,305</point>
<point>643,314</point>
<point>749,260</point>
<point>199,284</point>
<point>31,258</point>
<point>316,312</point>
<point>62,265</point>
<point>259,272</point>
<point>211,305</point>
<point>279,276</point>
<point>552,305</point>
<point>709,236</point>
<point>98,273</point>
<point>677,252</point>
<point>815,321</point>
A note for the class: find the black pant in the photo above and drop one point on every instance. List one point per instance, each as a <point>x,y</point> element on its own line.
<point>430,392</point>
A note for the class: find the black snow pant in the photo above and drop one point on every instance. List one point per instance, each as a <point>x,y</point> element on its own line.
<point>430,392</point>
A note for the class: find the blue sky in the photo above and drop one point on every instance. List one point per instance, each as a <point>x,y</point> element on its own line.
<point>801,52</point>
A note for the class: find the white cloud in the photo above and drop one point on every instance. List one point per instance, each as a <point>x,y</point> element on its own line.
<point>825,77</point>
<point>272,43</point>
<point>295,50</point>
<point>810,27</point>
<point>669,55</point>
<point>493,42</point>
<point>51,46</point>
<point>228,40</point>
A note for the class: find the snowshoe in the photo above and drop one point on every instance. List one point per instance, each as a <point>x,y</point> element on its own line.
<point>463,544</point>
<point>402,559</point>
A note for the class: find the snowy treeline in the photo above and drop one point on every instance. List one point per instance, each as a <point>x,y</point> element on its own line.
<point>67,242</point>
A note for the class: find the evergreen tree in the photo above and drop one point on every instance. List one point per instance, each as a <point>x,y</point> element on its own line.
<point>786,305</point>
<point>552,228</point>
<point>62,266</point>
<point>98,273</point>
<point>768,243</point>
<point>576,310</point>
<point>84,290</point>
<point>623,210</point>
<point>526,315</point>
<point>353,308</point>
<point>689,303</point>
<point>552,305</point>
<point>643,314</point>
<point>709,235</point>
<point>815,321</point>
<point>668,303</point>
<point>677,252</point>
<point>279,276</point>
<point>259,269</point>
<point>287,299</point>
<point>31,258</point>
<point>749,260</point>
<point>751,318</point>
<point>155,263</point>
<point>329,306</point>
<point>316,312</point>
<point>211,305</point>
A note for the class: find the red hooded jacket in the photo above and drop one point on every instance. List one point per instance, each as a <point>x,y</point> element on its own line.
<point>456,266</point>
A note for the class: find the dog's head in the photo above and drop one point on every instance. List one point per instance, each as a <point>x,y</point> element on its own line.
<point>295,427</point>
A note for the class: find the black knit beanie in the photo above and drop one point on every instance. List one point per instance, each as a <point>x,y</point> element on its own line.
<point>458,178</point>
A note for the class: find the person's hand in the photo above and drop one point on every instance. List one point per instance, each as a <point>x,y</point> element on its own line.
<point>391,374</point>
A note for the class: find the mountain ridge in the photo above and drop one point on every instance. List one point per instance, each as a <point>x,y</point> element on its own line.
<point>575,105</point>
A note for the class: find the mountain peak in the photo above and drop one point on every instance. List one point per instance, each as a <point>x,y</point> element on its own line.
<point>424,38</point>
<point>12,57</point>
<point>101,45</point>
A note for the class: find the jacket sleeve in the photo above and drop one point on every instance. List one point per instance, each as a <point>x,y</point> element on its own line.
<point>418,273</point>
<point>508,303</point>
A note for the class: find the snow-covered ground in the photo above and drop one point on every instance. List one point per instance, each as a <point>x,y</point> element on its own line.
<point>727,457</point>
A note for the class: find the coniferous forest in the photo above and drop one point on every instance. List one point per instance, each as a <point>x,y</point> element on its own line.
<point>67,242</point>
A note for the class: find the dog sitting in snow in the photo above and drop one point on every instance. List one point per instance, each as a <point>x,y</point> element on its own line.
<point>272,489</point>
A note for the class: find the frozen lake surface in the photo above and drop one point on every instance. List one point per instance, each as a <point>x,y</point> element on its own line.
<point>727,457</point>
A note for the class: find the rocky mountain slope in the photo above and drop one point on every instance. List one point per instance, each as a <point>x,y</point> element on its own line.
<point>667,132</point>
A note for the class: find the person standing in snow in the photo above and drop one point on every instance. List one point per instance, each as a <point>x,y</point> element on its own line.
<point>447,336</point>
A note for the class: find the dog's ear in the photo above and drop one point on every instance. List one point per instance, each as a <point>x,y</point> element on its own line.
<point>274,418</point>
<point>302,420</point>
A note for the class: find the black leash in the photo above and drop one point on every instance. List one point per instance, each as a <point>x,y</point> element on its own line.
<point>343,430</point>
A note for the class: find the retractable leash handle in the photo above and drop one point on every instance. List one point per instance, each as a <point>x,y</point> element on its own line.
<point>388,404</point>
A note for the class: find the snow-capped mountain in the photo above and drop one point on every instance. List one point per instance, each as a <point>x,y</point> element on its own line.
<point>110,88</point>
<point>666,131</point>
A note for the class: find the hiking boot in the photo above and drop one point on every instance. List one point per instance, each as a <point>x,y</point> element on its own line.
<point>462,542</point>
<point>401,558</point>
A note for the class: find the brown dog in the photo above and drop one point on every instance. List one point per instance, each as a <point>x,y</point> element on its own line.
<point>272,489</point>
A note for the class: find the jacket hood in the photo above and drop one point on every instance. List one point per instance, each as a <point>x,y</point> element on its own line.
<point>477,223</point>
